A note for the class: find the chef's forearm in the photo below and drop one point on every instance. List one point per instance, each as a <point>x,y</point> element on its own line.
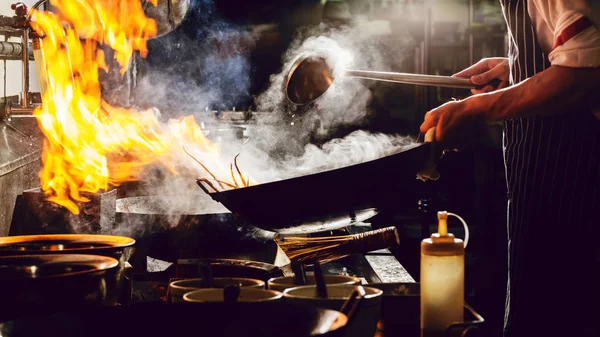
<point>552,91</point>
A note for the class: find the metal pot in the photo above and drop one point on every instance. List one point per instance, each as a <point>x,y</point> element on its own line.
<point>54,281</point>
<point>365,321</point>
<point>118,247</point>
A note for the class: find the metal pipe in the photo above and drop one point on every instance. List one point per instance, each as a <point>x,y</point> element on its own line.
<point>12,50</point>
<point>18,112</point>
<point>25,60</point>
<point>35,7</point>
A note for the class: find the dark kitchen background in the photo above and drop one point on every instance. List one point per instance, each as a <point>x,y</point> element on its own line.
<point>226,51</point>
<point>223,41</point>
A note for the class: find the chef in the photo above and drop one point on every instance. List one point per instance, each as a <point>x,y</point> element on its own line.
<point>548,99</point>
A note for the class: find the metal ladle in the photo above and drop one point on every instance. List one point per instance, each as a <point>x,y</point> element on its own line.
<point>310,76</point>
<point>168,14</point>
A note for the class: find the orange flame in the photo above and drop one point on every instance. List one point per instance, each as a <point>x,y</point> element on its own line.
<point>90,144</point>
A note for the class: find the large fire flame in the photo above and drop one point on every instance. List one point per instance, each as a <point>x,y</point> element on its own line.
<point>91,145</point>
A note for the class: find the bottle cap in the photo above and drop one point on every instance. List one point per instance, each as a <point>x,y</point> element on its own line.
<point>442,243</point>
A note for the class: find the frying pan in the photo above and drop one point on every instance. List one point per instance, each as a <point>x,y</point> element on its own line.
<point>346,192</point>
<point>154,320</point>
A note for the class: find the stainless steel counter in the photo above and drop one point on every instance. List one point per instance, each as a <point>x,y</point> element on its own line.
<point>20,154</point>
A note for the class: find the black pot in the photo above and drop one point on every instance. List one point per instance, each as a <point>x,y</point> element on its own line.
<point>54,282</point>
<point>119,248</point>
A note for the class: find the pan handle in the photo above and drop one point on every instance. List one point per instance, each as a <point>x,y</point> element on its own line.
<point>351,305</point>
<point>429,172</point>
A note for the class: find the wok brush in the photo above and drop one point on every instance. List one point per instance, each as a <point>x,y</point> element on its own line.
<point>331,248</point>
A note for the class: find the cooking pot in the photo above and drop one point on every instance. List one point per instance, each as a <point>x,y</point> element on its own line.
<point>54,281</point>
<point>117,247</point>
<point>368,311</point>
<point>162,320</point>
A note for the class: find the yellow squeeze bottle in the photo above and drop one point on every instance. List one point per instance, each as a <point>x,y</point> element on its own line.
<point>442,279</point>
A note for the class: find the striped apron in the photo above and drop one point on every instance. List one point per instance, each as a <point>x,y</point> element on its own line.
<point>553,179</point>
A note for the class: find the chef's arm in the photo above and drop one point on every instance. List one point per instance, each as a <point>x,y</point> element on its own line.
<point>552,91</point>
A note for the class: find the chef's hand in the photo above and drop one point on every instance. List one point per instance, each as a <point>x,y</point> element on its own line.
<point>458,124</point>
<point>485,71</point>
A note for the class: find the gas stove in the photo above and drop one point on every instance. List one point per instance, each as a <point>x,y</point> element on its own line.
<point>162,255</point>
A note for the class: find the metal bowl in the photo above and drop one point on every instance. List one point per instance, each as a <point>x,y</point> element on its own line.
<point>54,281</point>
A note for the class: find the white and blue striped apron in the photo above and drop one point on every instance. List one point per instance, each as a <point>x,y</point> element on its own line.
<point>553,179</point>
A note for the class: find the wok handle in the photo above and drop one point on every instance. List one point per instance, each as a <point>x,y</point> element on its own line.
<point>201,183</point>
<point>350,306</point>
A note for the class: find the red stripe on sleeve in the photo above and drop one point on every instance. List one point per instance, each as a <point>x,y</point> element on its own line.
<point>573,29</point>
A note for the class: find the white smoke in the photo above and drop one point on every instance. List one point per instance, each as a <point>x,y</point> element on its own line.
<point>275,148</point>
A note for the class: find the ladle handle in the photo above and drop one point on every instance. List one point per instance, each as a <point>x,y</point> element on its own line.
<point>351,304</point>
<point>299,273</point>
<point>417,79</point>
<point>231,293</point>
<point>321,286</point>
<point>207,275</point>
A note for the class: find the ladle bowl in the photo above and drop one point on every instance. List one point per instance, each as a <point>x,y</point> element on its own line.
<point>168,14</point>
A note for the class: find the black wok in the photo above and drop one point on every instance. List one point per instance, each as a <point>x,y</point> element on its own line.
<point>387,182</point>
<point>164,320</point>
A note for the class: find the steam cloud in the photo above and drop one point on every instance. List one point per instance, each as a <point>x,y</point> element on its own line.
<point>279,146</point>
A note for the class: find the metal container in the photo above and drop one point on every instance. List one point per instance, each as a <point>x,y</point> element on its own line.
<point>364,322</point>
<point>246,295</point>
<point>179,288</point>
<point>54,281</point>
<point>287,282</point>
<point>117,247</point>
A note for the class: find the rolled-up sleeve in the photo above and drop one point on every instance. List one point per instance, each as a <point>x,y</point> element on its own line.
<point>576,41</point>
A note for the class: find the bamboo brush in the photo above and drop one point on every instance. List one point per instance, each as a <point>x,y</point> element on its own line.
<point>331,248</point>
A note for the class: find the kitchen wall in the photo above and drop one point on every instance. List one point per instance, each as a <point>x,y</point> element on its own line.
<point>11,76</point>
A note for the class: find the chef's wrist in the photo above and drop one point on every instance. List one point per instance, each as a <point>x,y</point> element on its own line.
<point>484,106</point>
